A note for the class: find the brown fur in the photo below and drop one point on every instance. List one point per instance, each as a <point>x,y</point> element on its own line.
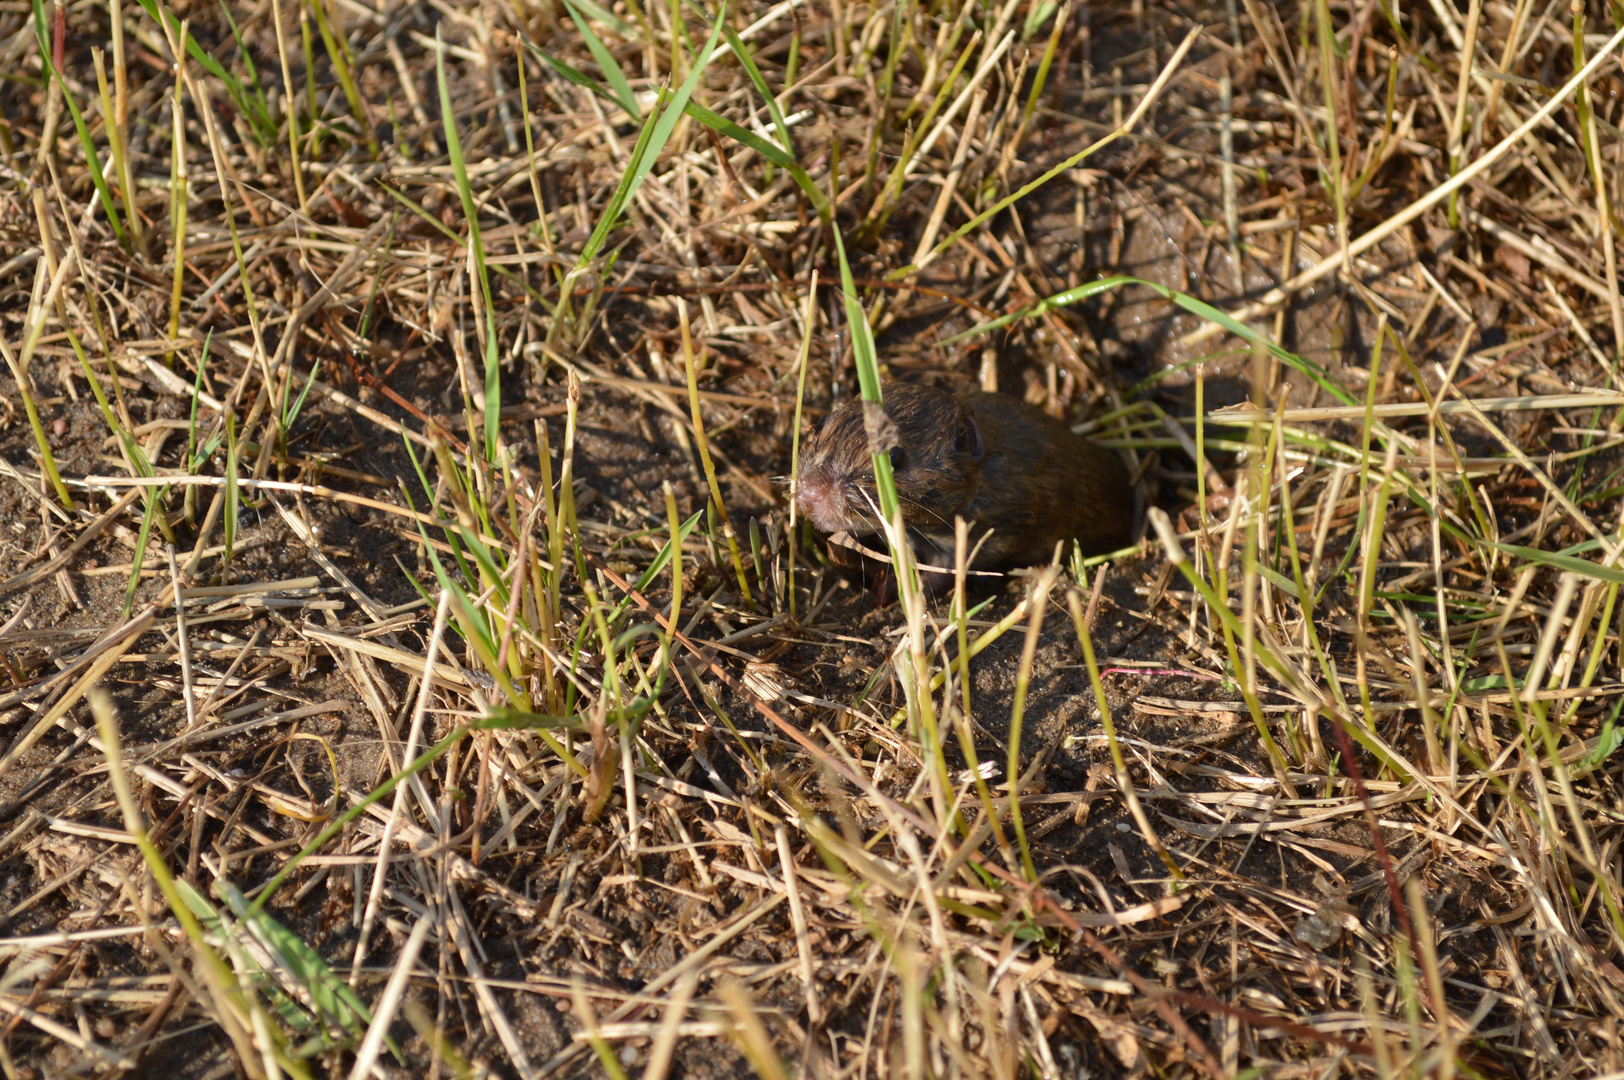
<point>998,462</point>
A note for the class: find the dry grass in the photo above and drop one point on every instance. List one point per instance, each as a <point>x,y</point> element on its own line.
<point>412,666</point>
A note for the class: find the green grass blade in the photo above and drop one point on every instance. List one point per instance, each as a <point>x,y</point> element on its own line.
<point>505,719</point>
<point>614,22</point>
<point>234,1007</point>
<point>338,53</point>
<point>138,457</point>
<point>475,625</point>
<point>493,367</point>
<point>193,458</point>
<point>142,538</point>
<point>866,359</point>
<point>774,153</point>
<point>1559,561</point>
<point>762,88</point>
<point>255,109</point>
<point>433,222</point>
<point>233,494</point>
<point>104,194</point>
<point>248,65</point>
<point>423,761</point>
<point>453,540</point>
<point>606,63</point>
<point>771,151</point>
<point>572,73</point>
<point>661,561</point>
<point>885,202</point>
<point>490,574</point>
<point>1037,17</point>
<point>290,413</point>
<point>656,133</point>
<point>1067,165</point>
<point>1183,300</point>
<point>378,794</point>
<point>328,994</point>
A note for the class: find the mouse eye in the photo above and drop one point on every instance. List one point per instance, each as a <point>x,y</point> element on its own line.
<point>897,457</point>
<point>817,425</point>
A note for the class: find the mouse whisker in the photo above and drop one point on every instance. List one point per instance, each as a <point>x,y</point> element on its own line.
<point>922,508</point>
<point>874,509</point>
<point>914,534</point>
<point>927,538</point>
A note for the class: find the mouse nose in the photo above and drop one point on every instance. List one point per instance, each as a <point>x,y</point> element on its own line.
<point>822,500</point>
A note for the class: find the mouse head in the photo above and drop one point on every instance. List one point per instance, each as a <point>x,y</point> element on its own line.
<point>936,452</point>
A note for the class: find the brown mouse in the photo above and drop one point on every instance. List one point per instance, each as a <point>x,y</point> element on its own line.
<point>994,460</point>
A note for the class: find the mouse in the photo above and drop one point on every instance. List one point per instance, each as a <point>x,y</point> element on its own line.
<point>1019,476</point>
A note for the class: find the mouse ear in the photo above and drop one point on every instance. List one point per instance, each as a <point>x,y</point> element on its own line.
<point>969,439</point>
